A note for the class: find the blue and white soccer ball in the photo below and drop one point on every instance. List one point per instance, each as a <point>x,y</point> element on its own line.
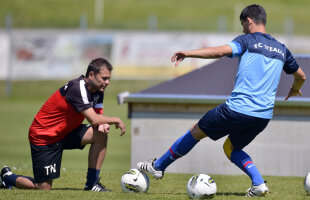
<point>201,186</point>
<point>307,183</point>
<point>135,181</point>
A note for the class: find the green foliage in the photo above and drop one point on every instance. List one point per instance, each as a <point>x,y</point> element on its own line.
<point>181,15</point>
<point>17,113</point>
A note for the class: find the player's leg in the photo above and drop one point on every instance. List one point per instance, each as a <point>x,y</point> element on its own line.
<point>243,161</point>
<point>8,180</point>
<point>96,157</point>
<point>234,152</point>
<point>97,149</point>
<point>179,148</point>
<point>46,161</point>
<point>210,125</point>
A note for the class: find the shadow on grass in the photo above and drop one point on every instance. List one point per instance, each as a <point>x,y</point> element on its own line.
<point>242,194</point>
<point>72,189</point>
<point>231,194</point>
<point>168,193</point>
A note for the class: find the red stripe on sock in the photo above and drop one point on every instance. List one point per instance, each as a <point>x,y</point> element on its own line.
<point>247,164</point>
<point>175,156</point>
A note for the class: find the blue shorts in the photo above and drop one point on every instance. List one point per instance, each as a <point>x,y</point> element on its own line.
<point>241,128</point>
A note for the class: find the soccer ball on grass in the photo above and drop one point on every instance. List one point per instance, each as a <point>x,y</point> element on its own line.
<point>307,183</point>
<point>201,186</point>
<point>135,181</point>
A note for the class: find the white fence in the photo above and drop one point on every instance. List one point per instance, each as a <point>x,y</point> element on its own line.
<point>59,54</point>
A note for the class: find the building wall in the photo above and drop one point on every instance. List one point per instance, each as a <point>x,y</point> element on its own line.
<point>281,149</point>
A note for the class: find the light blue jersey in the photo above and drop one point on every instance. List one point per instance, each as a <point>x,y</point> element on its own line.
<point>261,61</point>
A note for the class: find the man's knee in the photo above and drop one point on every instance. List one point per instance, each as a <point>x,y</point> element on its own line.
<point>228,148</point>
<point>197,133</point>
<point>94,136</point>
<point>44,186</point>
<point>101,137</point>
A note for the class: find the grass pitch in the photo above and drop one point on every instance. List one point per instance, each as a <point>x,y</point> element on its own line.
<point>173,15</point>
<point>17,113</point>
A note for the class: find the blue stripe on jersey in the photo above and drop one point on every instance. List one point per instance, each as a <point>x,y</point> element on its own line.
<point>261,61</point>
<point>236,48</point>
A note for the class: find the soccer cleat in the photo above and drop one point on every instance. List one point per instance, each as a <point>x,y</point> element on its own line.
<point>258,191</point>
<point>148,166</point>
<point>97,187</point>
<point>5,171</point>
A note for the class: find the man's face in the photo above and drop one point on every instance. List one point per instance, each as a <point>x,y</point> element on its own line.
<point>101,80</point>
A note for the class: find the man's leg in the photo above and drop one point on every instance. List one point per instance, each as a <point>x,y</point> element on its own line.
<point>96,155</point>
<point>46,161</point>
<point>245,163</point>
<point>10,180</point>
<point>179,148</point>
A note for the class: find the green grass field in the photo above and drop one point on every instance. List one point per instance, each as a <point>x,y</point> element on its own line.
<point>194,15</point>
<point>17,113</point>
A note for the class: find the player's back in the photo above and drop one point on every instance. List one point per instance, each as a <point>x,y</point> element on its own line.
<point>261,61</point>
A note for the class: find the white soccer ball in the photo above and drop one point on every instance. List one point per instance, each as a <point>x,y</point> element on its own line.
<point>135,181</point>
<point>201,186</point>
<point>307,183</point>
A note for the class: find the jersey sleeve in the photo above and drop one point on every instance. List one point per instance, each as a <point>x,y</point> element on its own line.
<point>238,46</point>
<point>98,104</point>
<point>290,65</point>
<point>77,97</point>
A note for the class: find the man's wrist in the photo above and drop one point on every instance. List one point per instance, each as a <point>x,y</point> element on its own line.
<point>294,90</point>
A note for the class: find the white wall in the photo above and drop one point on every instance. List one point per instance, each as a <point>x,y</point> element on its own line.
<point>281,149</point>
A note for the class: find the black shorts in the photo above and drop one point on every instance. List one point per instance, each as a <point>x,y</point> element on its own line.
<point>46,159</point>
<point>241,128</point>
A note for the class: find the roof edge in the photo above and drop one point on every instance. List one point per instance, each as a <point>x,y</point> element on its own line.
<point>204,99</point>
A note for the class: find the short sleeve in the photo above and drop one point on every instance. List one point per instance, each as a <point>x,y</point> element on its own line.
<point>77,96</point>
<point>238,46</point>
<point>290,65</point>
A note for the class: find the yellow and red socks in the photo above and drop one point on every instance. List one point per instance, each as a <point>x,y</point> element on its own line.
<point>179,148</point>
<point>245,163</point>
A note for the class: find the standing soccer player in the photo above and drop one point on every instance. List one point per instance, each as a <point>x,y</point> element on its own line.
<point>58,126</point>
<point>248,110</point>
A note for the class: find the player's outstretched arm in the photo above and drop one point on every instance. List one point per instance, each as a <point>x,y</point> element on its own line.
<point>96,120</point>
<point>299,79</point>
<point>209,52</point>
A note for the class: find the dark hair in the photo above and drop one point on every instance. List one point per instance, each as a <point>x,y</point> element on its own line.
<point>96,64</point>
<point>255,12</point>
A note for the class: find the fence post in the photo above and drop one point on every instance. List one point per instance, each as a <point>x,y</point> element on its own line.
<point>99,11</point>
<point>8,25</point>
<point>289,31</point>
<point>222,24</point>
<point>153,22</point>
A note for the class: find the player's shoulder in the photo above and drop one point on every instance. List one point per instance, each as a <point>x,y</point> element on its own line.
<point>73,85</point>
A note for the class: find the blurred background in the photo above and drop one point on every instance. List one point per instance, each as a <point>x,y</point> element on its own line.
<point>45,43</point>
<point>48,39</point>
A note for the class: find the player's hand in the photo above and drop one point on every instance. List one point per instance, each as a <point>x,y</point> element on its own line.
<point>122,126</point>
<point>104,128</point>
<point>292,93</point>
<point>178,57</point>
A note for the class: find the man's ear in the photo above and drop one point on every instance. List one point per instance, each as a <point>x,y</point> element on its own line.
<point>249,20</point>
<point>91,75</point>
